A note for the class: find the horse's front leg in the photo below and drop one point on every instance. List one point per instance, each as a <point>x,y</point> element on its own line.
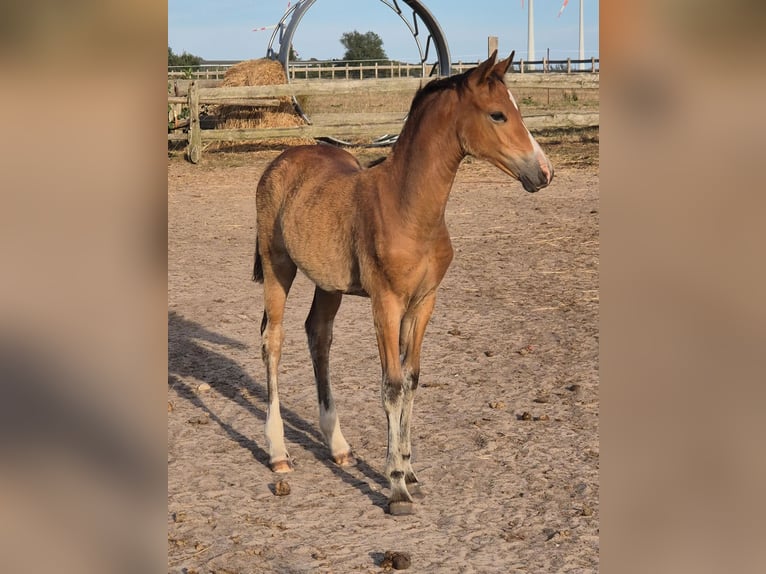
<point>410,342</point>
<point>387,312</point>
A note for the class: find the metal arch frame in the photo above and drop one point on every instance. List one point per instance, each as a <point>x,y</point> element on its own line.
<point>284,32</point>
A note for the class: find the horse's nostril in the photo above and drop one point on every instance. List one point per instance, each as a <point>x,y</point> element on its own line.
<point>545,173</point>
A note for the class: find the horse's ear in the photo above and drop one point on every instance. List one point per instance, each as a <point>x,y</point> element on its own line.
<point>483,70</point>
<point>503,67</point>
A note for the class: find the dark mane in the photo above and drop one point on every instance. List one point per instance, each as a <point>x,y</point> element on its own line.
<point>456,82</point>
<point>376,161</point>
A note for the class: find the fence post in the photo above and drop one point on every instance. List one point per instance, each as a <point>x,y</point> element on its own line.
<point>194,149</point>
<point>491,45</point>
<point>569,65</point>
<point>521,66</point>
<point>593,64</point>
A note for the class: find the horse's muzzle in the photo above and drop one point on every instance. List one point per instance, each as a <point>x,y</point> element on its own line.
<point>538,177</point>
<point>529,185</point>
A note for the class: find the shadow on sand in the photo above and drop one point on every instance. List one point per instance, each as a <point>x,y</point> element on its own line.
<point>188,358</point>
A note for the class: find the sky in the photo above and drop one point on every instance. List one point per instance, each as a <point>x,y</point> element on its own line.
<point>223,29</point>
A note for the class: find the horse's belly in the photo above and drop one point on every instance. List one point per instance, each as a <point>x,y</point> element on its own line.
<point>331,269</point>
<point>332,281</point>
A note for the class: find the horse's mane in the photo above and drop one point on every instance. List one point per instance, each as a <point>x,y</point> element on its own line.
<point>456,82</point>
<point>376,161</point>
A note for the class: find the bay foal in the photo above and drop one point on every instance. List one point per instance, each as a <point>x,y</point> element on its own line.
<point>379,232</point>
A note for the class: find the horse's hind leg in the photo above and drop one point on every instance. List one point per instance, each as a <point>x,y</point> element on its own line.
<point>319,325</point>
<point>279,273</point>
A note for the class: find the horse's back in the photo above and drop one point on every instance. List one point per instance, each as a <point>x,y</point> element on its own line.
<point>313,159</point>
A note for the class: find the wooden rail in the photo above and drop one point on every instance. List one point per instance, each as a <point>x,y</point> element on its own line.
<point>346,125</point>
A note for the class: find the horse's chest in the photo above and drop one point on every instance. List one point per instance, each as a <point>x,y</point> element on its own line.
<point>415,269</point>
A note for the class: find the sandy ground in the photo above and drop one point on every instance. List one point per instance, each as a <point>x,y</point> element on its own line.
<point>505,430</point>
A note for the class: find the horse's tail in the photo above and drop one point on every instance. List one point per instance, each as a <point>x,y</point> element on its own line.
<point>258,265</point>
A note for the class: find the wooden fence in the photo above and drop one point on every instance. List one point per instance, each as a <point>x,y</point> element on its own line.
<point>359,69</point>
<point>345,125</point>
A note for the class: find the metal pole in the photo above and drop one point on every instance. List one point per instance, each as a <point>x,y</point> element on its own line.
<point>582,38</point>
<point>531,31</point>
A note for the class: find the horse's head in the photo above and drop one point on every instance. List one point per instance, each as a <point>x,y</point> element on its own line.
<point>491,127</point>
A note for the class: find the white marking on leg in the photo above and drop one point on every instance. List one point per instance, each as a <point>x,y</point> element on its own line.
<point>275,438</point>
<point>328,422</point>
<point>405,430</point>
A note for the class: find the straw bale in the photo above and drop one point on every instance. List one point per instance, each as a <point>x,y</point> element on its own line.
<point>260,72</point>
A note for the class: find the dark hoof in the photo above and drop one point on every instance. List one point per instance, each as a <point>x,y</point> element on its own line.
<point>400,508</point>
<point>281,466</point>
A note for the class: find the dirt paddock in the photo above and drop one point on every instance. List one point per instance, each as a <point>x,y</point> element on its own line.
<point>505,425</point>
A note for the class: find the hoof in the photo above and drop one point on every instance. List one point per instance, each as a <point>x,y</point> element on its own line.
<point>400,508</point>
<point>281,466</point>
<point>345,459</point>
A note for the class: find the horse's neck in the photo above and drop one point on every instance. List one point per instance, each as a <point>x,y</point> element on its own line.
<point>424,166</point>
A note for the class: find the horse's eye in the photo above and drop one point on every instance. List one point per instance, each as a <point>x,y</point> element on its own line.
<point>498,117</point>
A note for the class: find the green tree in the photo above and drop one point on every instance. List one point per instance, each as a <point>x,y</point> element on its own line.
<point>184,59</point>
<point>368,46</point>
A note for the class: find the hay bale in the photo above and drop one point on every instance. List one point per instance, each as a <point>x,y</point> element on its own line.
<point>260,72</point>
